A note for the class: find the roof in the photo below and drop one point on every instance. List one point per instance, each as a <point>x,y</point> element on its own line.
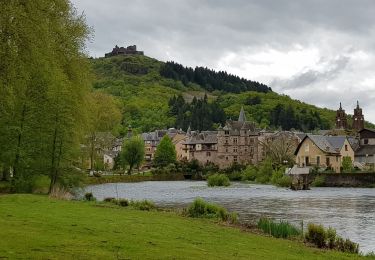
<point>206,137</point>
<point>365,150</point>
<point>112,154</point>
<point>237,126</point>
<point>328,144</point>
<point>242,117</point>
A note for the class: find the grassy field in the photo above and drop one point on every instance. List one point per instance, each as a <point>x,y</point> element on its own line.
<point>36,227</point>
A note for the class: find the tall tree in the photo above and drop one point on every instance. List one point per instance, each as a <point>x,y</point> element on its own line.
<point>133,152</point>
<point>165,153</point>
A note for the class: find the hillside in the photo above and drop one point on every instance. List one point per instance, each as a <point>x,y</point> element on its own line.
<point>144,94</point>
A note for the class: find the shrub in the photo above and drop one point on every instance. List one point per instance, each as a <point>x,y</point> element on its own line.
<point>279,179</point>
<point>123,202</point>
<point>331,237</point>
<point>249,174</point>
<point>218,180</point>
<point>202,209</point>
<point>280,229</point>
<point>110,199</point>
<point>347,246</point>
<point>319,181</point>
<point>89,196</point>
<point>316,235</point>
<point>142,205</point>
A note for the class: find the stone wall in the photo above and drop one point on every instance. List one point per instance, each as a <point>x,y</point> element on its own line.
<point>350,180</point>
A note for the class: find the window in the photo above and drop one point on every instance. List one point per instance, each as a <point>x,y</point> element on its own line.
<point>337,158</point>
<point>318,160</point>
<point>227,158</point>
<point>226,150</point>
<point>226,140</point>
<point>251,140</point>
<point>245,149</point>
<point>328,163</point>
<point>346,147</point>
<point>235,140</point>
<point>307,148</point>
<point>226,132</point>
<point>235,158</point>
<point>208,154</point>
<point>365,141</point>
<point>235,150</point>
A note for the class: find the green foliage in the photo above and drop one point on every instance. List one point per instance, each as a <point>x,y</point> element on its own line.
<point>165,153</point>
<point>202,209</point>
<point>327,238</point>
<point>133,152</point>
<point>199,114</point>
<point>210,79</point>
<point>89,196</point>
<point>278,178</point>
<point>265,171</point>
<point>145,205</point>
<point>250,173</point>
<point>319,181</point>
<point>280,229</point>
<point>347,164</point>
<point>123,202</point>
<point>218,180</point>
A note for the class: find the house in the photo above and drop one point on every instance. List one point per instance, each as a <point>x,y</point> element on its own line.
<point>365,154</point>
<point>323,151</point>
<point>109,159</point>
<point>201,146</point>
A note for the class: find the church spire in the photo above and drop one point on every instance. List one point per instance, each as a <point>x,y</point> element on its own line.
<point>242,117</point>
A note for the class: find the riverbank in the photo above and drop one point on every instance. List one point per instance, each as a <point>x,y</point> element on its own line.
<point>38,227</point>
<point>91,180</point>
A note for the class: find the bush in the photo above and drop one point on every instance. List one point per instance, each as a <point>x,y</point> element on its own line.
<point>249,174</point>
<point>89,196</point>
<point>316,235</point>
<point>279,179</point>
<point>280,229</point>
<point>218,180</point>
<point>331,237</point>
<point>347,246</point>
<point>110,199</point>
<point>142,205</point>
<point>319,181</point>
<point>123,202</point>
<point>202,209</point>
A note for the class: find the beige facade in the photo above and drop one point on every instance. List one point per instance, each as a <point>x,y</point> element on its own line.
<point>323,151</point>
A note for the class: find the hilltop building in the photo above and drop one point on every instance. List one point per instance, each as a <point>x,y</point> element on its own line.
<point>358,119</point>
<point>341,121</point>
<point>130,50</point>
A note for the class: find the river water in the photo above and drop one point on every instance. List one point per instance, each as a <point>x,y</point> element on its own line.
<point>351,211</point>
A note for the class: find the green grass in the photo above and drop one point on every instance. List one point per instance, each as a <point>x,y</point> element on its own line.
<point>36,227</point>
<point>281,229</point>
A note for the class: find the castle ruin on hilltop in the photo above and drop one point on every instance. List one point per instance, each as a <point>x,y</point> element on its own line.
<point>130,50</point>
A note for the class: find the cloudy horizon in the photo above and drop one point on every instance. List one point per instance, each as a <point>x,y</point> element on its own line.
<point>319,52</point>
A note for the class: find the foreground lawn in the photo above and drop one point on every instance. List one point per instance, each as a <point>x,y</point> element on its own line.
<point>37,227</point>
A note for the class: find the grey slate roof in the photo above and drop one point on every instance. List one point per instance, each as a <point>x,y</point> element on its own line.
<point>242,117</point>
<point>206,137</point>
<point>329,144</point>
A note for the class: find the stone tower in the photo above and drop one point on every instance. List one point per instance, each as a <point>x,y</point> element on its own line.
<point>358,119</point>
<point>341,122</point>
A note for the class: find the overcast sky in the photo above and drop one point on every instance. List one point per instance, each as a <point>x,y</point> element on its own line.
<point>318,51</point>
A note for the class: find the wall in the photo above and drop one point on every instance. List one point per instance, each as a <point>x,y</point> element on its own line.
<point>350,180</point>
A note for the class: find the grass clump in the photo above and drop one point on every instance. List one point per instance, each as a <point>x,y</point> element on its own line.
<point>218,180</point>
<point>202,209</point>
<point>280,229</point>
<point>327,238</point>
<point>146,205</point>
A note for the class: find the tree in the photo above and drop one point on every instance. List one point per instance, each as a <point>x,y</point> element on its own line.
<point>347,164</point>
<point>44,82</point>
<point>280,148</point>
<point>165,153</point>
<point>104,116</point>
<point>133,152</point>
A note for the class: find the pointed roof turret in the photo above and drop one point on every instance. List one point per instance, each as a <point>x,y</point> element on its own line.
<point>340,106</point>
<point>188,132</point>
<point>357,104</point>
<point>242,117</point>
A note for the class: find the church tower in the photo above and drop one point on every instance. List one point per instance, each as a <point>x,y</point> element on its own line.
<point>341,122</point>
<point>358,118</point>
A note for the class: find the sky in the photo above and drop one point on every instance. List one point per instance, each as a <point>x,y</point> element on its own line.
<point>318,51</point>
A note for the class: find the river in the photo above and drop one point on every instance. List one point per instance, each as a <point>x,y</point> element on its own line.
<point>351,211</point>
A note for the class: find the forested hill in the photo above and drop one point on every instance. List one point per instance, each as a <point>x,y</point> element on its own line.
<point>211,80</point>
<point>157,95</point>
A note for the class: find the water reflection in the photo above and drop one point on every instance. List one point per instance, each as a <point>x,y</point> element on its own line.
<point>351,211</point>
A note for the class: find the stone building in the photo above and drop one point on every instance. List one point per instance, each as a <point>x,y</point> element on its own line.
<point>358,119</point>
<point>201,146</point>
<point>365,154</point>
<point>237,142</point>
<point>341,121</point>
<point>130,50</point>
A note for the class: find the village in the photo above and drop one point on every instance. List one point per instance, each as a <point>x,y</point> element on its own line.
<point>241,142</point>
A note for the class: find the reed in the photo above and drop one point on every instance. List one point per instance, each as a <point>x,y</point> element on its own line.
<point>282,229</point>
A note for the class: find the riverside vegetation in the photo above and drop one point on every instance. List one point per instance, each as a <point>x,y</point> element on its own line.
<point>112,231</point>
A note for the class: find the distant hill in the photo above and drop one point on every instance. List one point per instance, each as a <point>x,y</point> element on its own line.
<point>144,87</point>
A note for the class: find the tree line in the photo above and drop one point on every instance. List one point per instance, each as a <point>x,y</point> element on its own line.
<point>211,80</point>
<point>199,114</point>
